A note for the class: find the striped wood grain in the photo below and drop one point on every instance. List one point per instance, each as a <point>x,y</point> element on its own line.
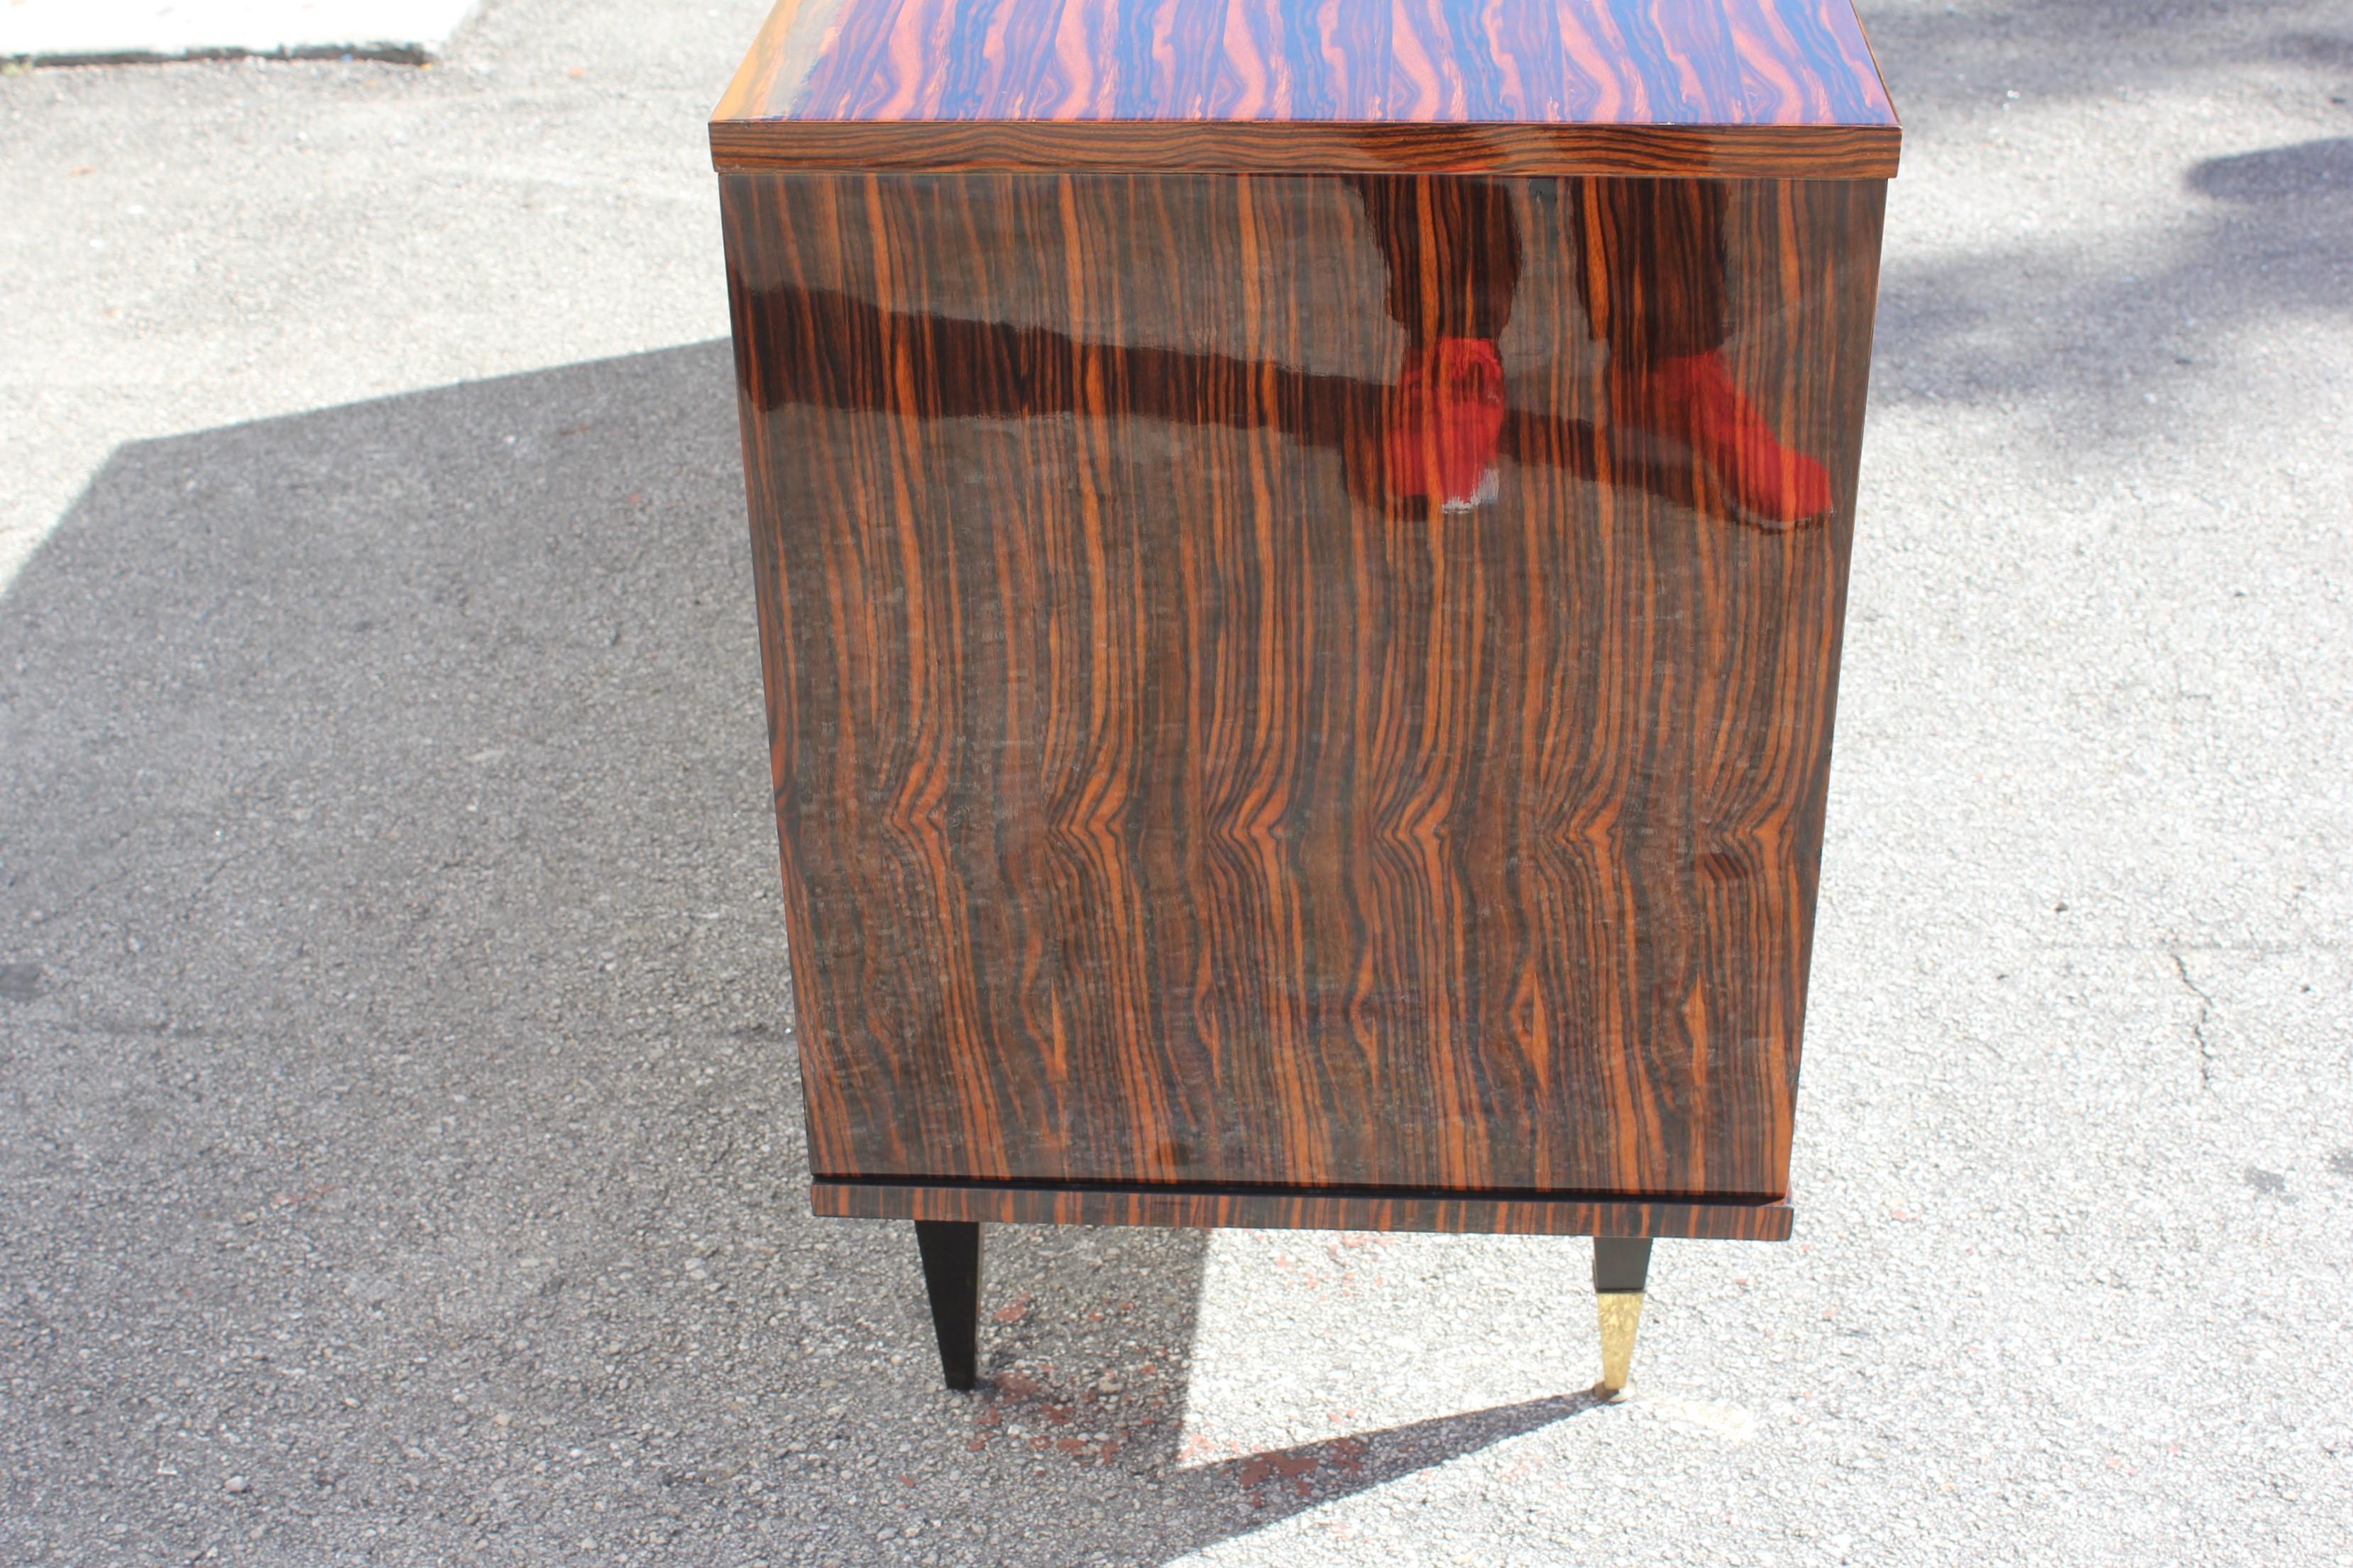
<point>1163,803</point>
<point>1724,87</point>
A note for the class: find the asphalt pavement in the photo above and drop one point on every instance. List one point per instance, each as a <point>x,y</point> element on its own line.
<point>400,1149</point>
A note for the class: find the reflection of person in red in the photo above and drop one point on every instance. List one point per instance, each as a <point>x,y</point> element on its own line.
<point>1665,324</point>
<point>1454,250</point>
<point>1454,254</point>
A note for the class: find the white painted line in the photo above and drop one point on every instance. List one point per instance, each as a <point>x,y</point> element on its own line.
<point>89,32</point>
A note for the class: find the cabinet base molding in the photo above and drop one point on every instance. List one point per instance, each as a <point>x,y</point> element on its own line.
<point>1280,1208</point>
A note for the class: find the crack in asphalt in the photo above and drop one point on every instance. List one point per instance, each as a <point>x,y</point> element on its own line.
<point>2198,1029</point>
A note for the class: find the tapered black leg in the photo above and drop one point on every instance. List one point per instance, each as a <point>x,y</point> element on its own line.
<point>1620,1264</point>
<point>951,1249</point>
<point>1621,1268</point>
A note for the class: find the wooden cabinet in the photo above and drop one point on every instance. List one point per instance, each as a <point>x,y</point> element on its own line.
<point>1299,552</point>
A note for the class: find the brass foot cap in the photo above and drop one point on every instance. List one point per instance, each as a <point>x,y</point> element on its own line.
<point>1621,1315</point>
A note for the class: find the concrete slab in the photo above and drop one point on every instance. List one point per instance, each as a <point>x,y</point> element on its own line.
<point>100,31</point>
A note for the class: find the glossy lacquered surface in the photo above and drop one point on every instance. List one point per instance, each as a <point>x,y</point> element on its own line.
<point>1273,683</point>
<point>1726,88</point>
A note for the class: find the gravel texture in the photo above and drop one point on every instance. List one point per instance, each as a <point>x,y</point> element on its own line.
<point>399,1146</point>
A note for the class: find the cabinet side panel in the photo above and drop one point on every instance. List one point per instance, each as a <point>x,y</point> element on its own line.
<point>1314,681</point>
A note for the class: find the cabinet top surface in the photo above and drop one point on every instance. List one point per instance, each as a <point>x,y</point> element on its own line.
<point>1169,78</point>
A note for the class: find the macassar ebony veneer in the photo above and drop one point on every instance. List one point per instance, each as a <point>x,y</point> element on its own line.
<point>1300,554</point>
